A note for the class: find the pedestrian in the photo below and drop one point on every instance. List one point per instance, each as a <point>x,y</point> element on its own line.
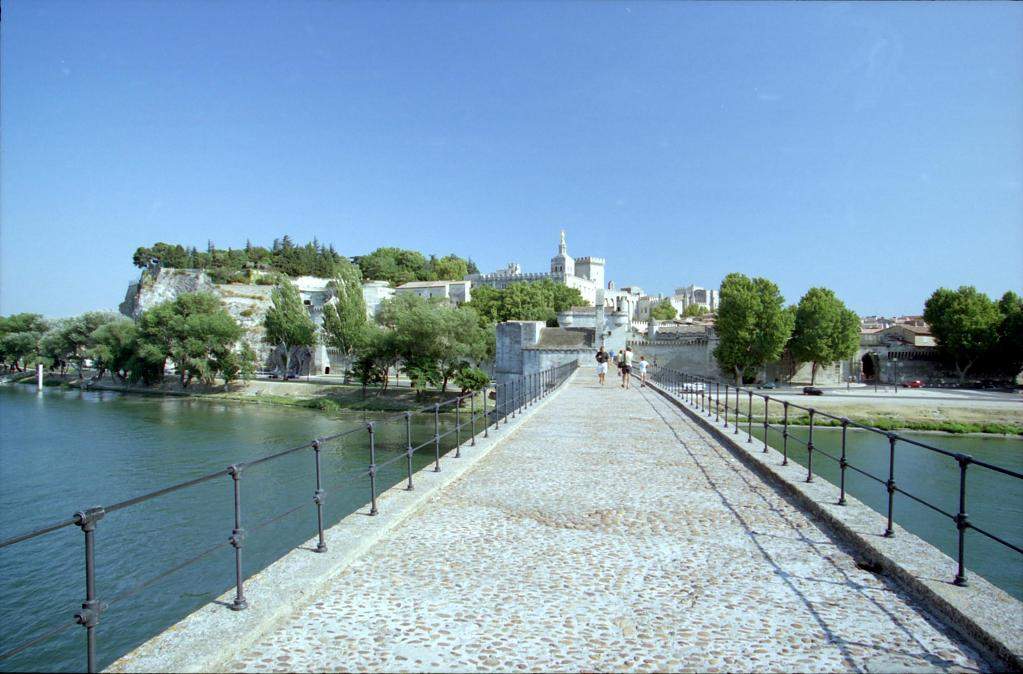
<point>626,366</point>
<point>619,360</point>
<point>602,359</point>
<point>642,365</point>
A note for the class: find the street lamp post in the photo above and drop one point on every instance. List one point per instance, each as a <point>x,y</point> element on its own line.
<point>896,361</point>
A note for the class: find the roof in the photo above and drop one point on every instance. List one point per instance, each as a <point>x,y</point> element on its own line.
<point>564,338</point>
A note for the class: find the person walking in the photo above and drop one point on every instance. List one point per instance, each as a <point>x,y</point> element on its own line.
<point>602,359</point>
<point>626,366</point>
<point>642,366</point>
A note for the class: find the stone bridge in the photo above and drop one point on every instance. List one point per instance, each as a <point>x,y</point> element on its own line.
<point>608,530</point>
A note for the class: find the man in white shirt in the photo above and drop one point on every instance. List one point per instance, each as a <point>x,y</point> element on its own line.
<point>626,366</point>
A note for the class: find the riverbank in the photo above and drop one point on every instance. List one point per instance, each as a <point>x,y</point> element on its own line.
<point>334,399</point>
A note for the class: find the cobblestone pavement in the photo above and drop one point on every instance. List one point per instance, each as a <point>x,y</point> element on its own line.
<point>610,533</point>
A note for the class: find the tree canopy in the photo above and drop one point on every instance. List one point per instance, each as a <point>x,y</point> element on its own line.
<point>20,339</point>
<point>752,324</point>
<point>663,311</point>
<point>193,331</point>
<point>539,301</point>
<point>344,318</point>
<point>287,322</point>
<point>241,264</point>
<point>965,323</point>
<point>694,310</point>
<point>825,331</point>
<point>398,266</point>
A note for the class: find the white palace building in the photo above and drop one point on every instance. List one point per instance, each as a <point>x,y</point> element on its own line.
<point>585,274</point>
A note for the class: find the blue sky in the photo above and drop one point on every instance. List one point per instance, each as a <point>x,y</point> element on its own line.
<point>874,148</point>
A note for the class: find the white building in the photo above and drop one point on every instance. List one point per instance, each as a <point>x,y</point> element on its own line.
<point>456,292</point>
<point>375,292</point>
<point>586,274</point>
<point>694,295</point>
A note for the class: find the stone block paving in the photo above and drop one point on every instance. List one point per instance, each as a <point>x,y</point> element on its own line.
<point>609,533</point>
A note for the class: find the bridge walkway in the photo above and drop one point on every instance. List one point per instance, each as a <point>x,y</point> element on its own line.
<point>609,533</point>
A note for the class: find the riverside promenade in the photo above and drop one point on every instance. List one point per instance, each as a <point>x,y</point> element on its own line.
<point>609,532</point>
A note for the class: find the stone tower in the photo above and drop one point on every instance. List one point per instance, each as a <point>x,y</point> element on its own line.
<point>562,264</point>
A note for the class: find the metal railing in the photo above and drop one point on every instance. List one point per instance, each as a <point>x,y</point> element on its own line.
<point>510,398</point>
<point>709,396</point>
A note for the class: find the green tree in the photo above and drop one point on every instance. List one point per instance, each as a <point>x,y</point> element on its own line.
<point>694,311</point>
<point>1009,348</point>
<point>448,268</point>
<point>965,323</point>
<point>752,324</point>
<point>193,331</point>
<point>72,339</point>
<point>394,265</point>
<point>20,339</point>
<point>663,311</point>
<point>344,318</point>
<point>825,331</point>
<point>287,322</point>
<point>113,347</point>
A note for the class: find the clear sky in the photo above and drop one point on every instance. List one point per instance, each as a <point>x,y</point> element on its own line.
<point>874,148</point>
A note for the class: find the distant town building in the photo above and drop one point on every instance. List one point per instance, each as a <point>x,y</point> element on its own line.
<point>586,274</point>
<point>375,292</point>
<point>456,292</point>
<point>694,295</point>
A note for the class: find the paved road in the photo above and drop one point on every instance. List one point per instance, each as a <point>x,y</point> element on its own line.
<point>609,533</point>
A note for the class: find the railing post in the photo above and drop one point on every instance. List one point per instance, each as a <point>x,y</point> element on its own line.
<point>962,521</point>
<point>842,464</point>
<point>372,469</point>
<point>735,429</point>
<point>472,417</point>
<point>408,449</point>
<point>321,546</point>
<point>749,419</point>
<point>458,427</point>
<point>726,404</point>
<point>809,451</point>
<point>767,400</point>
<point>88,617</point>
<point>436,437</point>
<point>486,419</point>
<point>237,540</point>
<point>785,434</point>
<point>717,402</point>
<point>890,484</point>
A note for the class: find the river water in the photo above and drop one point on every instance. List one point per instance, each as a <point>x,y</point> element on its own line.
<point>62,451</point>
<point>994,501</point>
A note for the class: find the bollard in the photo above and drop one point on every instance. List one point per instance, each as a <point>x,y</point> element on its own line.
<point>890,484</point>
<point>472,417</point>
<point>237,540</point>
<point>408,449</point>
<point>372,469</point>
<point>318,499</point>
<point>962,521</point>
<point>735,429</point>
<point>88,617</point>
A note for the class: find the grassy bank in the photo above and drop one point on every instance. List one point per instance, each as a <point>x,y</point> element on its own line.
<point>923,417</point>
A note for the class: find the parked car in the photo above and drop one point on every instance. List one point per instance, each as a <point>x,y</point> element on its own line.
<point>769,384</point>
<point>812,391</point>
<point>916,383</point>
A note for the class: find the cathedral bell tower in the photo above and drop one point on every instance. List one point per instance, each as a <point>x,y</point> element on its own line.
<point>562,264</point>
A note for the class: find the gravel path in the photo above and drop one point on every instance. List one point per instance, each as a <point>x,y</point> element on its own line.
<point>608,534</point>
